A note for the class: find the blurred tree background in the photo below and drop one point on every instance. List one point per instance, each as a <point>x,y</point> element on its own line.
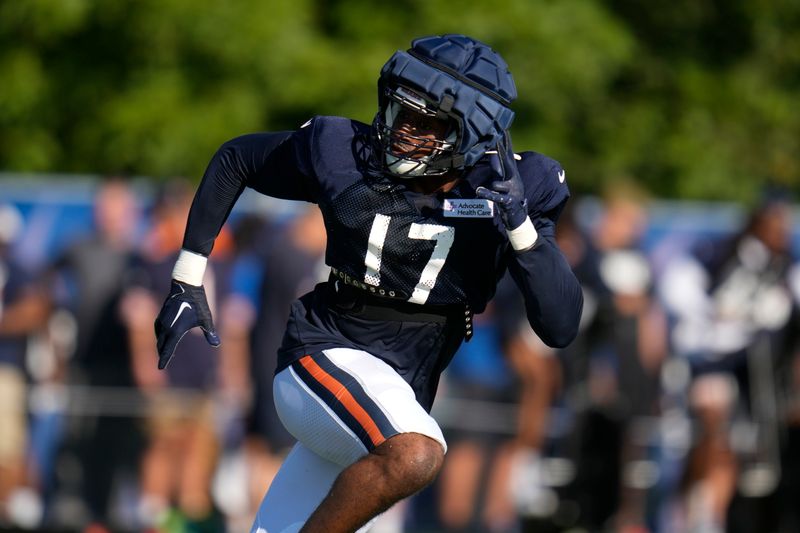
<point>694,98</point>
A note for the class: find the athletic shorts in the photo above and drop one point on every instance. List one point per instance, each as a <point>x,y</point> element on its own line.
<point>342,403</point>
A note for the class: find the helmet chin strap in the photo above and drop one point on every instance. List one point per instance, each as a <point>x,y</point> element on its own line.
<point>405,168</point>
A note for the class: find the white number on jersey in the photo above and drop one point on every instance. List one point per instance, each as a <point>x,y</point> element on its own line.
<point>444,237</point>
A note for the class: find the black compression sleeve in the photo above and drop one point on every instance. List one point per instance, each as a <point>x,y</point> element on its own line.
<point>237,164</point>
<point>553,296</point>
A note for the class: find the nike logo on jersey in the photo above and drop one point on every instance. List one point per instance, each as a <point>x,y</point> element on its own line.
<point>183,306</point>
<point>562,176</point>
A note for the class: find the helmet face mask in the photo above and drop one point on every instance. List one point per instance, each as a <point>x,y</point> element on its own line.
<point>414,138</point>
<point>442,105</point>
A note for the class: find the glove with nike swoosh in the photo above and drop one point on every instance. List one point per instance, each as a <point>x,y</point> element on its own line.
<point>185,308</point>
<point>508,194</point>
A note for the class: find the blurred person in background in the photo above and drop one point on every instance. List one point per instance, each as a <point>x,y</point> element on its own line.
<point>100,448</point>
<point>239,307</point>
<point>274,262</point>
<point>493,470</point>
<point>610,375</point>
<point>629,344</point>
<point>24,308</point>
<point>537,372</point>
<point>789,379</point>
<point>293,263</point>
<point>183,443</point>
<point>733,305</point>
<point>239,274</point>
<point>473,486</point>
<point>541,372</point>
<point>424,211</point>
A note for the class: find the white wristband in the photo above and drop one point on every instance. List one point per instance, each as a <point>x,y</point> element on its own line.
<point>524,236</point>
<point>190,268</point>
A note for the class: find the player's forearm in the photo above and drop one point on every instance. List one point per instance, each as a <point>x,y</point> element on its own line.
<point>223,182</point>
<point>236,165</point>
<point>553,296</point>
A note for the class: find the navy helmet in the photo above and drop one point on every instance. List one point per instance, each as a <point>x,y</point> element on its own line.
<point>454,79</point>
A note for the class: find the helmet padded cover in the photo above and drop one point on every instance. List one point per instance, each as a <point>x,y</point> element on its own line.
<point>472,59</point>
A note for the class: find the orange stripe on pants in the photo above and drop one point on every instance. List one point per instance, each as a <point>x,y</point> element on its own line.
<point>343,395</point>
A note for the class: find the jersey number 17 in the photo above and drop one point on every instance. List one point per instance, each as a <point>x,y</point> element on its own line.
<point>444,237</point>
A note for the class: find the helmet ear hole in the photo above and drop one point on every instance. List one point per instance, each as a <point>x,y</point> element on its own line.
<point>446,104</point>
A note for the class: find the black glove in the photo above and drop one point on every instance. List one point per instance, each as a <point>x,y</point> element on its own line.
<point>508,193</point>
<point>185,307</point>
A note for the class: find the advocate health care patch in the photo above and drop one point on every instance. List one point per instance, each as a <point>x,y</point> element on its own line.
<point>468,208</point>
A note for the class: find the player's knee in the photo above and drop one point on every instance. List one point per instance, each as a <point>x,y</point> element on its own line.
<point>413,460</point>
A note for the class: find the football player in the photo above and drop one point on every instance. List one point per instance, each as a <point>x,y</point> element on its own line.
<point>425,210</point>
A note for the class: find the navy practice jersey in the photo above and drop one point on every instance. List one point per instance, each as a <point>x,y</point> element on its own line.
<point>437,251</point>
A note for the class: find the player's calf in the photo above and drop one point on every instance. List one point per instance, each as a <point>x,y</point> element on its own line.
<point>401,466</point>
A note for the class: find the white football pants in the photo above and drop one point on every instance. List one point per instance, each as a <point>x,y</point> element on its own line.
<point>339,404</point>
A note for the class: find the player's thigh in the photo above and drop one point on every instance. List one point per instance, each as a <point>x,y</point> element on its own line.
<point>343,403</point>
